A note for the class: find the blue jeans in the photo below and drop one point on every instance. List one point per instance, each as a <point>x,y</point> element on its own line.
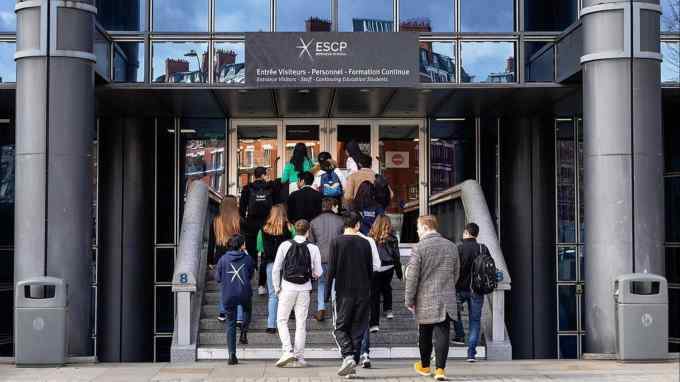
<point>273,301</point>
<point>475,303</point>
<point>366,343</point>
<point>239,311</point>
<point>321,289</point>
<point>230,312</point>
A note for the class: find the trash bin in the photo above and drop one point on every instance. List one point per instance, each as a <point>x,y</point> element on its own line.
<point>641,317</point>
<point>41,308</point>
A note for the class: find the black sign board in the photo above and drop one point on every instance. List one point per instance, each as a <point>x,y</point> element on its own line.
<point>328,59</point>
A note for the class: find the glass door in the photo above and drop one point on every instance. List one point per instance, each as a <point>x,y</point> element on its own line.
<point>253,144</point>
<point>344,131</point>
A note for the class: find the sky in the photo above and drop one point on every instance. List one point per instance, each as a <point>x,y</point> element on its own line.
<point>242,15</point>
<point>8,19</point>
<point>163,50</point>
<point>487,15</point>
<point>293,13</point>
<point>181,15</point>
<point>439,12</point>
<point>482,58</point>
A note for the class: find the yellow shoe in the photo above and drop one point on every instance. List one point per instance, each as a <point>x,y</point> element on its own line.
<point>424,371</point>
<point>440,375</point>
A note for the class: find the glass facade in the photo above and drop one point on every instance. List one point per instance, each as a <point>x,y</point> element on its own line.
<point>490,16</point>
<point>7,158</point>
<point>8,19</point>
<point>181,15</point>
<point>180,62</point>
<point>229,63</point>
<point>8,67</point>
<point>429,16</point>
<point>303,16</point>
<point>452,153</point>
<point>437,62</point>
<point>670,66</point>
<point>670,18</point>
<point>539,61</point>
<point>365,16</point>
<point>549,16</point>
<point>242,16</point>
<point>128,62</point>
<point>672,191</point>
<point>122,15</point>
<point>488,62</point>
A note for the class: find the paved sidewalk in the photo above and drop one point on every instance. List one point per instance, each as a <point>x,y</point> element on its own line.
<point>324,371</point>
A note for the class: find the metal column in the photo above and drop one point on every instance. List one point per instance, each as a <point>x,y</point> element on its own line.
<point>623,186</point>
<point>54,132</point>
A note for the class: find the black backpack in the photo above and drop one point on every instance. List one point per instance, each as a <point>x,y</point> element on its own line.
<point>297,266</point>
<point>260,201</point>
<point>381,191</point>
<point>483,272</point>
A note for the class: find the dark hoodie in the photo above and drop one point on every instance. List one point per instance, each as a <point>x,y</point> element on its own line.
<point>234,272</point>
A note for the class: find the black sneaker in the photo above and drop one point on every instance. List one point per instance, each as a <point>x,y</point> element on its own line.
<point>459,341</point>
<point>271,331</point>
<point>233,360</point>
<point>243,340</point>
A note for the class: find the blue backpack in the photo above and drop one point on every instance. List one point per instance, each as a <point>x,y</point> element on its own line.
<point>327,181</point>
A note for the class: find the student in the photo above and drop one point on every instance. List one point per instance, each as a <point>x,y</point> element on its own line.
<point>329,180</point>
<point>299,163</point>
<point>380,191</point>
<point>350,266</point>
<point>257,199</point>
<point>305,203</point>
<point>275,231</point>
<point>297,263</point>
<point>234,272</point>
<point>430,293</point>
<point>388,250</point>
<point>324,228</point>
<point>468,251</point>
<point>365,204</point>
<point>353,152</point>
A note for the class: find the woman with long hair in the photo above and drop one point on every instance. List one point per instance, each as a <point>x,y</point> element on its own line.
<point>299,163</point>
<point>354,154</point>
<point>275,231</point>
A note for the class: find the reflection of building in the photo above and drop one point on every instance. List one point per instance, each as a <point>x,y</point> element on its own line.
<point>371,25</point>
<point>504,77</point>
<point>177,71</point>
<point>254,153</point>
<point>227,71</point>
<point>7,174</point>
<point>204,160</point>
<point>315,24</point>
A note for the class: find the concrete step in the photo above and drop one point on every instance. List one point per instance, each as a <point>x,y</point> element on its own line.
<point>213,286</point>
<point>213,297</point>
<point>378,353</point>
<point>212,324</point>
<point>260,310</point>
<point>315,337</point>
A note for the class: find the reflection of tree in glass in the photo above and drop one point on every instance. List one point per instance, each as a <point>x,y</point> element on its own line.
<point>671,16</point>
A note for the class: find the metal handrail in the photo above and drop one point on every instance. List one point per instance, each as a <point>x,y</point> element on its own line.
<point>493,317</point>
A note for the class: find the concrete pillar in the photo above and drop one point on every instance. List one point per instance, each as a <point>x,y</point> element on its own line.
<point>55,126</point>
<point>624,207</point>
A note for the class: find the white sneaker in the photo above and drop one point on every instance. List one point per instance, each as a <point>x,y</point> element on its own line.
<point>300,362</point>
<point>351,375</point>
<point>262,291</point>
<point>348,366</point>
<point>389,315</point>
<point>471,360</point>
<point>374,329</point>
<point>285,359</point>
<point>365,361</point>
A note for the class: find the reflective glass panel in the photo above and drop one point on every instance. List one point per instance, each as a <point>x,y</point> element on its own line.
<point>581,179</point>
<point>165,182</point>
<point>361,134</point>
<point>365,16</point>
<point>242,16</point>
<point>8,19</point>
<point>566,264</point>
<point>179,62</point>
<point>303,16</point>
<point>202,142</point>
<point>670,18</point>
<point>128,62</point>
<point>490,169</point>
<point>180,15</point>
<point>488,62</point>
<point>399,159</point>
<point>8,67</point>
<point>555,15</point>
<point>162,350</point>
<point>122,15</point>
<point>566,182</point>
<point>671,137</point>
<point>568,347</point>
<point>673,209</point>
<point>164,309</point>
<point>230,63</point>
<point>674,312</point>
<point>452,153</point>
<point>7,320</point>
<point>102,50</point>
<point>257,147</point>
<point>487,16</point>
<point>539,62</point>
<point>165,264</point>
<point>670,66</point>
<point>7,174</point>
<point>426,16</point>
<point>437,62</point>
<point>567,307</point>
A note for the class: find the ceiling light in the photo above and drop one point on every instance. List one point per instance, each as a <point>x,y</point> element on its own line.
<point>364,91</point>
<point>304,91</point>
<point>450,119</point>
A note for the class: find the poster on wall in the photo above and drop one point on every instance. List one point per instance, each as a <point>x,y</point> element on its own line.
<point>397,159</point>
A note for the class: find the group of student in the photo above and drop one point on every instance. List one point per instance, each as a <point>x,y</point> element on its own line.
<point>332,231</point>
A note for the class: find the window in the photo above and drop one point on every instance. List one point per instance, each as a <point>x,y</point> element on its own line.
<point>303,16</point>
<point>8,19</point>
<point>437,62</point>
<point>179,62</point>
<point>180,15</point>
<point>673,209</point>
<point>670,18</point>
<point>201,141</point>
<point>128,62</point>
<point>488,62</point>
<point>670,67</point>
<point>365,16</point>
<point>566,182</point>
<point>8,67</point>
<point>263,141</point>
<point>229,63</point>
<point>539,62</point>
<point>452,153</point>
<point>549,16</point>
<point>102,51</point>
<point>242,16</point>
<point>122,15</point>
<point>165,181</point>
<point>487,16</point>
<point>426,16</point>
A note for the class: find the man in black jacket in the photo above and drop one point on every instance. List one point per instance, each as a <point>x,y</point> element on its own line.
<point>305,203</point>
<point>351,265</point>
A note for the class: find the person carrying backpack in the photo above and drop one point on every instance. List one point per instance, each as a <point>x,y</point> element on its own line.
<point>331,179</point>
<point>380,191</point>
<point>297,263</point>
<point>477,278</point>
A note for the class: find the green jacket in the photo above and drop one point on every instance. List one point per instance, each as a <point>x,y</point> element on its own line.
<point>289,173</point>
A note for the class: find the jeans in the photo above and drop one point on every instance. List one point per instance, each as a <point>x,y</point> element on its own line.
<point>290,300</point>
<point>321,289</point>
<point>475,303</point>
<point>441,336</point>
<point>239,311</point>
<point>273,300</point>
<point>230,312</point>
<point>381,286</point>
<point>366,343</point>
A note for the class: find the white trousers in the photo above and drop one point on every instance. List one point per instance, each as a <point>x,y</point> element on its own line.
<point>289,300</point>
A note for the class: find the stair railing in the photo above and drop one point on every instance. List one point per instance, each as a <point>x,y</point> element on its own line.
<point>189,274</point>
<point>462,203</point>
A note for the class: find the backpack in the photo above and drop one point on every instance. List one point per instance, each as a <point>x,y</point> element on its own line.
<point>483,272</point>
<point>381,191</point>
<point>260,201</point>
<point>327,180</point>
<point>297,266</point>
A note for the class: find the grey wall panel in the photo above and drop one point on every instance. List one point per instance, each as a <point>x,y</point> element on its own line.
<point>29,216</point>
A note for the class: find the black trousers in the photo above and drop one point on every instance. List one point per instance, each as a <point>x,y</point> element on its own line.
<point>441,346</point>
<point>350,320</point>
<point>381,287</point>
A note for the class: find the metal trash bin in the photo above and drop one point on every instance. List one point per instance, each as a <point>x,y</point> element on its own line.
<point>41,309</point>
<point>641,317</point>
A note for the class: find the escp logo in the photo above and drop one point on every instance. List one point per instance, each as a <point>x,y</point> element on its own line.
<point>314,48</point>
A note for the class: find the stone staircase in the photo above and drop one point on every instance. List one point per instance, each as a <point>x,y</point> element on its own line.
<point>397,337</point>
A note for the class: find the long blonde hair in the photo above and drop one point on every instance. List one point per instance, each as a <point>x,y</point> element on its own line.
<point>277,221</point>
<point>228,222</point>
<point>381,229</point>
